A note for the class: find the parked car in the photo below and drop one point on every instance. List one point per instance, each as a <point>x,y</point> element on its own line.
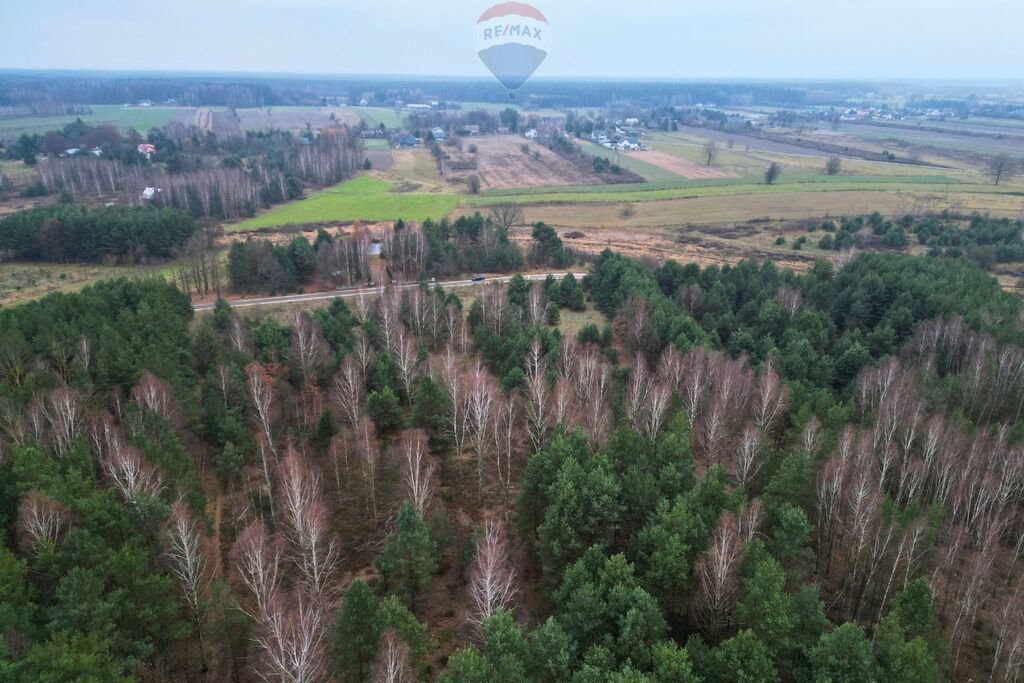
<point>479,278</point>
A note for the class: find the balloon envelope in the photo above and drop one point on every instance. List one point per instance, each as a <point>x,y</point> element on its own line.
<point>512,40</point>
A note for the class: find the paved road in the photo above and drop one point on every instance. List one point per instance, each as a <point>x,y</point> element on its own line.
<point>356,291</point>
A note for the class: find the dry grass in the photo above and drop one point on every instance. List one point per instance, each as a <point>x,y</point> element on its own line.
<point>571,322</point>
<point>740,208</point>
<point>22,282</point>
<point>502,163</point>
<point>414,170</point>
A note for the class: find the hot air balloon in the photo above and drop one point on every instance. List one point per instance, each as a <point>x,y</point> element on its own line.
<point>512,39</point>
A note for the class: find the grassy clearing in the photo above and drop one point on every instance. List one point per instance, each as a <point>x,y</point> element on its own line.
<point>376,145</point>
<point>139,118</point>
<point>14,169</point>
<point>571,322</point>
<point>375,116</point>
<point>365,198</point>
<point>21,282</point>
<point>415,170</point>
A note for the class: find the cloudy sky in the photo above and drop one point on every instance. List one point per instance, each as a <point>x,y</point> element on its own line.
<point>877,39</point>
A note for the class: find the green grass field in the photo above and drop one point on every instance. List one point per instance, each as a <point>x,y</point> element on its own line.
<point>375,116</point>
<point>376,145</point>
<point>139,118</point>
<point>364,198</point>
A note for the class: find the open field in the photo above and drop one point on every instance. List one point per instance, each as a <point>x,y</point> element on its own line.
<point>375,116</point>
<point>737,208</point>
<point>414,170</point>
<point>376,144</point>
<point>975,144</point>
<point>737,186</point>
<point>364,198</point>
<point>501,163</point>
<point>292,118</point>
<point>380,160</point>
<point>123,118</point>
<point>679,166</point>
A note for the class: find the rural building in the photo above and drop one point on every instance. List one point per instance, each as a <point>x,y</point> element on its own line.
<point>472,130</point>
<point>439,134</point>
<point>363,102</point>
<point>531,134</point>
<point>407,141</point>
<point>146,149</point>
<point>72,152</point>
<point>149,193</point>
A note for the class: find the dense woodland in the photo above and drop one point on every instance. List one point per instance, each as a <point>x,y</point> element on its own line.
<point>732,474</point>
<point>74,233</point>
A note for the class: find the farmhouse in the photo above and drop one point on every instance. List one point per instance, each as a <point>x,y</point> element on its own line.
<point>472,130</point>
<point>439,134</point>
<point>531,134</point>
<point>149,193</point>
<point>407,141</point>
<point>146,149</point>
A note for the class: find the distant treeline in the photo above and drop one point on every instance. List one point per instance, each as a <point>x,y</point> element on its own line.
<point>74,233</point>
<point>43,109</point>
<point>18,88</point>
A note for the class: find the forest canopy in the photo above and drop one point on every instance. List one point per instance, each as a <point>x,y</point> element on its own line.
<point>735,473</point>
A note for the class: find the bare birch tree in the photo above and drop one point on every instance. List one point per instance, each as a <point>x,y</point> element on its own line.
<point>493,582</point>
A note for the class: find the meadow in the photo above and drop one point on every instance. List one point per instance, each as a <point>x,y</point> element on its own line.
<point>364,198</point>
<point>374,116</point>
<point>139,118</point>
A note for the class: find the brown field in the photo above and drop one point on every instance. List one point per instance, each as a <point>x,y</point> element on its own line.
<point>501,163</point>
<point>740,208</point>
<point>680,166</point>
<point>381,159</point>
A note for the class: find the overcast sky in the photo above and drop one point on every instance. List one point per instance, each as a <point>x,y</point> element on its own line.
<point>877,39</point>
